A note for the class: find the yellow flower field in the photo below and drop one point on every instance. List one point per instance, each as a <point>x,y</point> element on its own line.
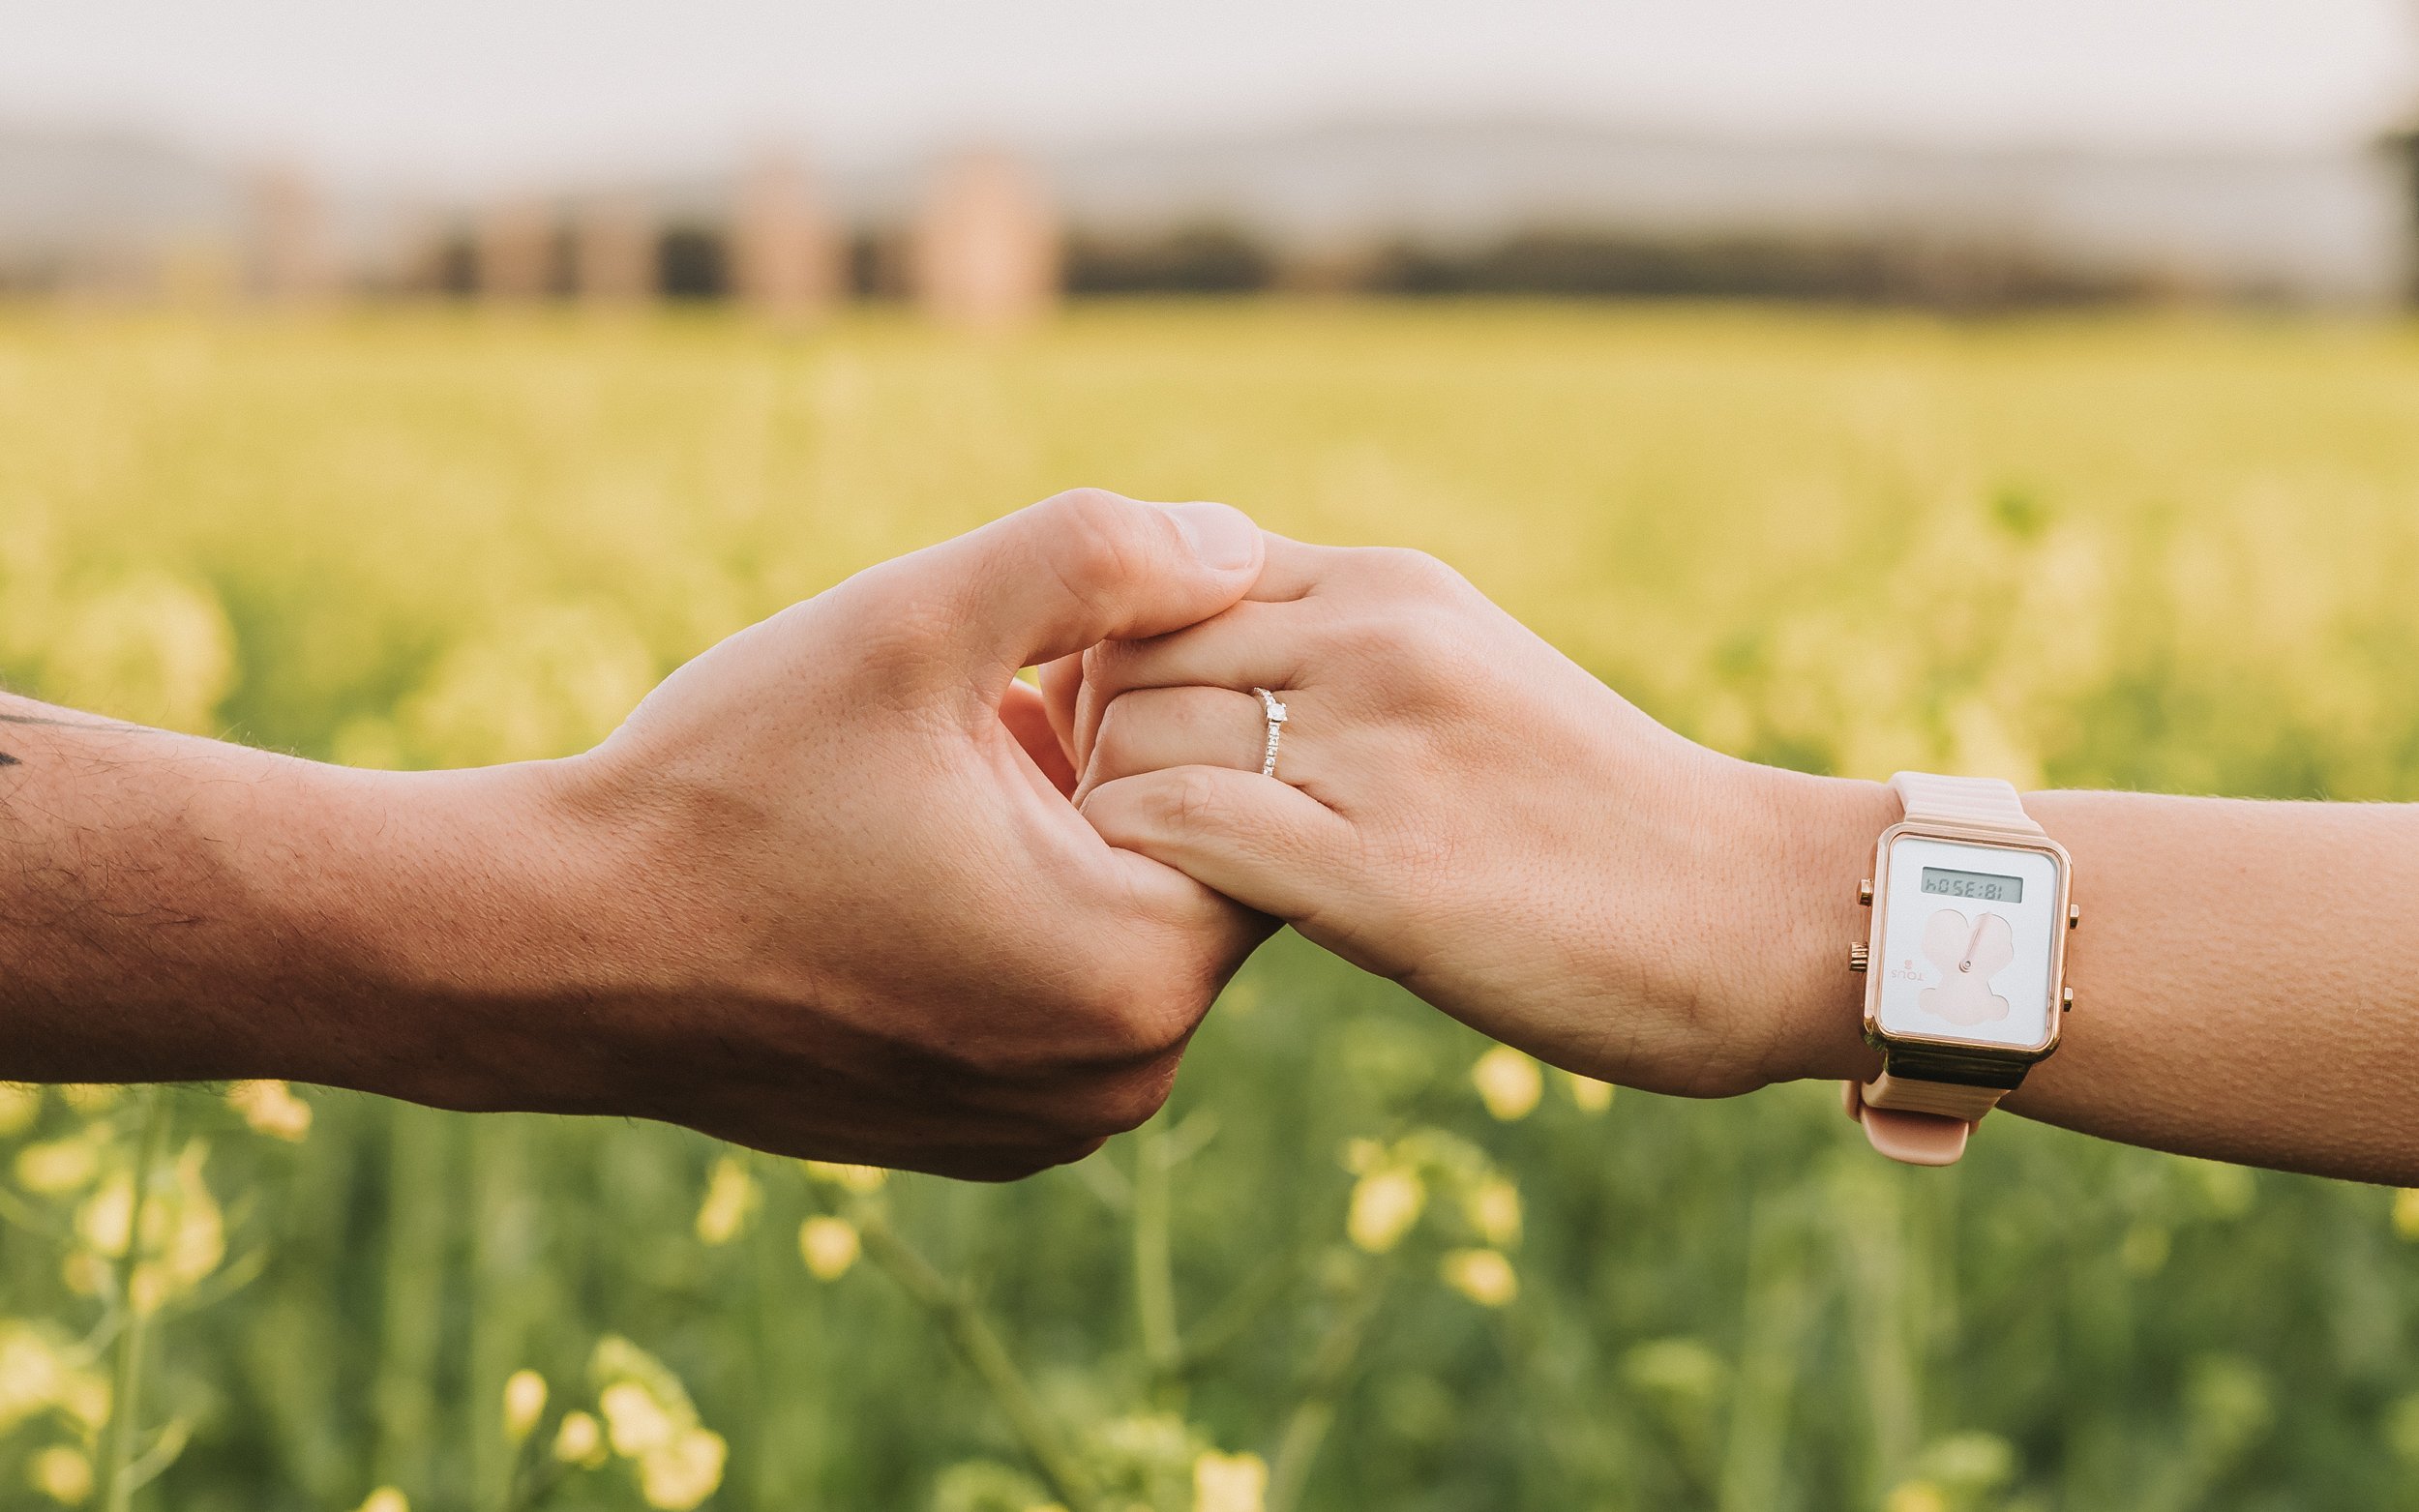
<point>1362,1261</point>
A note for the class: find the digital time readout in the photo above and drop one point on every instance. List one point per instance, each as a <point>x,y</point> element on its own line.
<point>1942,883</point>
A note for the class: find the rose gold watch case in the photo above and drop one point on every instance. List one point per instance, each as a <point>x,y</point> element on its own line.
<point>1997,839</point>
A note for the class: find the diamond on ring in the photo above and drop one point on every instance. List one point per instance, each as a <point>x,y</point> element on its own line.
<point>1274,709</point>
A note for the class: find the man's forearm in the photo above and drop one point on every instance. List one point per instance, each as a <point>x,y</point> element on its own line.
<point>2245,978</point>
<point>173,908</point>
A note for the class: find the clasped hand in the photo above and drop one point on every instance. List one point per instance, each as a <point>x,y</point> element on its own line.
<point>904,910</point>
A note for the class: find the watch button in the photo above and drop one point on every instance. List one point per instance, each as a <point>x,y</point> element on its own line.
<point>1857,957</point>
<point>2066,1001</point>
<point>2075,916</point>
<point>1865,892</point>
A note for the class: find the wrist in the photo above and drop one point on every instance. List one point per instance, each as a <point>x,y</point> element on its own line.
<point>1810,840</point>
<point>479,939</point>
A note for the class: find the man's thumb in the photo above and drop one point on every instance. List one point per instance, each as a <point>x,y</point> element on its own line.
<point>1083,567</point>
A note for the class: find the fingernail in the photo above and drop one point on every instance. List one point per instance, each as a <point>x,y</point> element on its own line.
<point>1224,538</point>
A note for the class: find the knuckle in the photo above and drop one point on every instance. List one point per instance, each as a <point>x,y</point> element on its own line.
<point>1432,638</point>
<point>1405,569</point>
<point>1128,1099</point>
<point>1097,540</point>
<point>1108,671</point>
<point>1012,1162</point>
<point>1192,798</point>
<point>1134,1020</point>
<point>1115,744</point>
<point>1380,639</point>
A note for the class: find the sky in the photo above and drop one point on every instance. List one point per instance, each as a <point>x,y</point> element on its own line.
<point>477,92</point>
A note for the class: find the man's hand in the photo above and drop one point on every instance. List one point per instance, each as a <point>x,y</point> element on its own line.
<point>823,894</point>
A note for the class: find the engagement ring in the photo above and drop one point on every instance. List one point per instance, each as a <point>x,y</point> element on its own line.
<point>1275,712</point>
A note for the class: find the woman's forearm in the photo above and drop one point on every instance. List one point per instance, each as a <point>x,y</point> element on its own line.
<point>2246,977</point>
<point>1458,805</point>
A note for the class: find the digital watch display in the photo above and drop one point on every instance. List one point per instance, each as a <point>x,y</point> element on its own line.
<point>1965,966</point>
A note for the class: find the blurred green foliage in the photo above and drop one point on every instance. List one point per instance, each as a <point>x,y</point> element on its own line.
<point>1343,1271</point>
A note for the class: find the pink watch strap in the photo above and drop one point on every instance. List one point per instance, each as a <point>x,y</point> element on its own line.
<point>1975,802</point>
<point>1911,1138</point>
<point>1920,1123</point>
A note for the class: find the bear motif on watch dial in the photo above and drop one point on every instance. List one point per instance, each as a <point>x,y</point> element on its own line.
<point>1969,952</point>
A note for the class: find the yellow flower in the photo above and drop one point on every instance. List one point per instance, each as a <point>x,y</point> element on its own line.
<point>1916,1495</point>
<point>386,1498</point>
<point>105,1222</point>
<point>84,1272</point>
<point>2407,1212</point>
<point>1484,1275</point>
<point>1592,1096</point>
<point>1229,1482</point>
<point>30,1374</point>
<point>1385,1204</point>
<point>19,1106</point>
<point>859,1179</point>
<point>829,1247</point>
<point>271,1107</point>
<point>194,1240</point>
<point>1509,1082</point>
<point>152,648</point>
<point>62,1474</point>
<point>2144,1252</point>
<point>184,1235</point>
<point>525,1401</point>
<point>1494,1207</point>
<point>731,1195</point>
<point>84,1396</point>
<point>635,1421</point>
<point>58,1165</point>
<point>685,1472</point>
<point>580,1441</point>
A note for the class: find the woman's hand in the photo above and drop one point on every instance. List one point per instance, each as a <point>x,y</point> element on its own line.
<point>1460,806</point>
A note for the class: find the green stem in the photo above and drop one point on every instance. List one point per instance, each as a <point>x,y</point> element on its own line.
<point>535,1490</point>
<point>502,1292</point>
<point>977,1343</point>
<point>1154,1271</point>
<point>1225,1322</point>
<point>1753,1472</point>
<point>1323,1388</point>
<point>1871,1223</point>
<point>118,1456</point>
<point>421,1202</point>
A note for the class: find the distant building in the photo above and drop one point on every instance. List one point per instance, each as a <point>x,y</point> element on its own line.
<point>516,245</point>
<point>987,245</point>
<point>614,251</point>
<point>786,256</point>
<point>290,256</point>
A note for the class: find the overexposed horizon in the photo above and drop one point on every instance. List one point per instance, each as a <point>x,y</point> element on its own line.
<point>460,93</point>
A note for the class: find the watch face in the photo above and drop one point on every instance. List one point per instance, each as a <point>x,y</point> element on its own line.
<point>1969,936</point>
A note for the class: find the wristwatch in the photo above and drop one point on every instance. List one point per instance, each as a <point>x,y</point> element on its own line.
<point>1965,972</point>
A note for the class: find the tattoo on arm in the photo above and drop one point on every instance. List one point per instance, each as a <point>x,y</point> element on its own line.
<point>99,727</point>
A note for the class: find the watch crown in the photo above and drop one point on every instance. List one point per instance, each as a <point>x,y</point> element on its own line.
<point>1859,957</point>
<point>1865,892</point>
